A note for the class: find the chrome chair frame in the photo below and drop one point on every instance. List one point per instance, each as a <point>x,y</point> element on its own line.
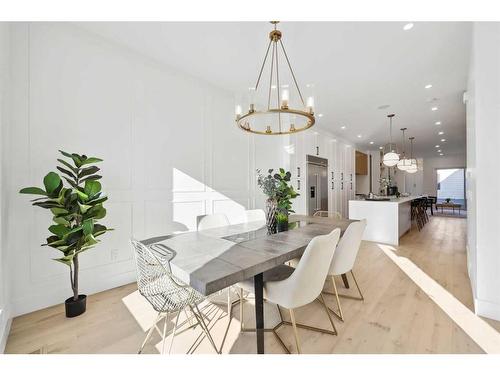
<point>166,294</point>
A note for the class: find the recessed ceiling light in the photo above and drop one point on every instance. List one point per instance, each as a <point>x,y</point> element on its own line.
<point>441,154</point>
<point>434,108</point>
<point>440,133</point>
<point>408,26</point>
<point>438,122</point>
<point>342,127</point>
<point>437,146</point>
<point>439,151</point>
<point>428,86</point>
<point>359,135</point>
<point>381,147</point>
<point>371,142</point>
<point>320,115</point>
<point>443,140</point>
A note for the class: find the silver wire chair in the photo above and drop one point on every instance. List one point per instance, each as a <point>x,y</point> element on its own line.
<point>166,294</point>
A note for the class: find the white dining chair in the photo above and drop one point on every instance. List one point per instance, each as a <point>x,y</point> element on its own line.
<point>343,261</point>
<point>167,295</point>
<point>293,288</point>
<point>211,221</point>
<point>255,215</point>
<point>331,214</point>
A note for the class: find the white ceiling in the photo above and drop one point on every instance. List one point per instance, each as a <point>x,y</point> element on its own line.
<point>355,67</point>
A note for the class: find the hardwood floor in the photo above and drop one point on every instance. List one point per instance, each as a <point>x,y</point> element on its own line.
<point>397,315</point>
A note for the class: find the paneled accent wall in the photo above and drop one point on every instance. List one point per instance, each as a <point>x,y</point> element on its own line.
<point>170,147</point>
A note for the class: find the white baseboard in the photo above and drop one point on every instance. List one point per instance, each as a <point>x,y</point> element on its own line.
<point>487,309</point>
<point>5,323</point>
<point>30,303</point>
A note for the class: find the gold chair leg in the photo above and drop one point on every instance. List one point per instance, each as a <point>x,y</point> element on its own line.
<point>328,313</point>
<point>296,334</point>
<point>357,286</point>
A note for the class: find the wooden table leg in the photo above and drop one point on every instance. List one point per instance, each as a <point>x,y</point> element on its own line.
<point>259,311</point>
<point>344,279</point>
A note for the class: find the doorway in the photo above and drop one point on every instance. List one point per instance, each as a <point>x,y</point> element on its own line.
<point>451,185</point>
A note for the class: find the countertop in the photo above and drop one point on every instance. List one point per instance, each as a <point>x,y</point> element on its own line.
<point>392,200</point>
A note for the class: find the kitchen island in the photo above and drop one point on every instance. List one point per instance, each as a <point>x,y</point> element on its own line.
<point>387,220</point>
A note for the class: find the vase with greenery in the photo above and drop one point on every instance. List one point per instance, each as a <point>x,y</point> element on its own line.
<point>279,194</point>
<point>76,210</point>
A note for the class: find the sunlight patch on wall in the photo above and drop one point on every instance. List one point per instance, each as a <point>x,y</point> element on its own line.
<point>477,329</point>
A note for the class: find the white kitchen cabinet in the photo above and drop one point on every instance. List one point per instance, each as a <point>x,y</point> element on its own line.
<point>341,172</point>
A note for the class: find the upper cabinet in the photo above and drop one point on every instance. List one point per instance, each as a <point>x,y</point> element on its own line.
<point>361,163</point>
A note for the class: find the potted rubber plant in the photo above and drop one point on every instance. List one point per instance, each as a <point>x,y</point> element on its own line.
<point>76,209</point>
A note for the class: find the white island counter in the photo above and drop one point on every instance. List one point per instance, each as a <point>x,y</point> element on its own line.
<point>387,221</point>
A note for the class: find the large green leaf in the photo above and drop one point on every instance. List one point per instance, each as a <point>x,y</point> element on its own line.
<point>84,207</point>
<point>47,204</point>
<point>92,187</point>
<point>93,177</point>
<point>65,163</point>
<point>65,171</point>
<point>59,230</point>
<point>88,171</point>
<point>51,182</point>
<point>33,190</point>
<point>88,227</point>
<point>91,160</point>
<point>96,212</point>
<point>60,220</point>
<point>97,200</point>
<point>67,259</point>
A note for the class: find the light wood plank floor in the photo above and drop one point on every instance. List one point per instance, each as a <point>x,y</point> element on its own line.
<point>396,316</point>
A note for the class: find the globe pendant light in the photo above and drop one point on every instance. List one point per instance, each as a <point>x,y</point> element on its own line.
<point>413,166</point>
<point>404,163</point>
<point>391,156</point>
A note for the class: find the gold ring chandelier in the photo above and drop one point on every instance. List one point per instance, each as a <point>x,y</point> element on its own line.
<point>281,119</point>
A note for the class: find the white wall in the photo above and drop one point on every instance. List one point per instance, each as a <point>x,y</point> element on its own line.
<point>430,166</point>
<point>5,307</point>
<point>170,147</point>
<point>483,177</point>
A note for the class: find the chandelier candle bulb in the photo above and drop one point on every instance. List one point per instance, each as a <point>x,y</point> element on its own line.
<point>238,111</point>
<point>285,97</point>
<point>310,104</point>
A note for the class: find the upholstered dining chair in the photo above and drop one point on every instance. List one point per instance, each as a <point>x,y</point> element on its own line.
<point>292,288</point>
<point>255,215</point>
<point>344,259</point>
<point>167,295</point>
<point>211,221</point>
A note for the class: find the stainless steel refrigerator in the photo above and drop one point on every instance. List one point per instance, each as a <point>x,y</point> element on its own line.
<point>317,184</point>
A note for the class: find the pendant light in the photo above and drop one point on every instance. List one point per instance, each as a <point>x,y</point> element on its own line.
<point>404,163</point>
<point>413,166</point>
<point>391,156</point>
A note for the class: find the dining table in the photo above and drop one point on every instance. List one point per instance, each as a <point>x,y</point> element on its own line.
<point>214,259</point>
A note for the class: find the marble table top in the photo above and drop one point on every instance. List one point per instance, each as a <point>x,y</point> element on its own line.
<point>213,259</point>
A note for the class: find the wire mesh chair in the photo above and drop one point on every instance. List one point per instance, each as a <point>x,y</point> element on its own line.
<point>166,294</point>
<point>333,214</point>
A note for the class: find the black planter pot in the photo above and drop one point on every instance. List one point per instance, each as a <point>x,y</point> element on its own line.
<point>75,308</point>
<point>282,226</point>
